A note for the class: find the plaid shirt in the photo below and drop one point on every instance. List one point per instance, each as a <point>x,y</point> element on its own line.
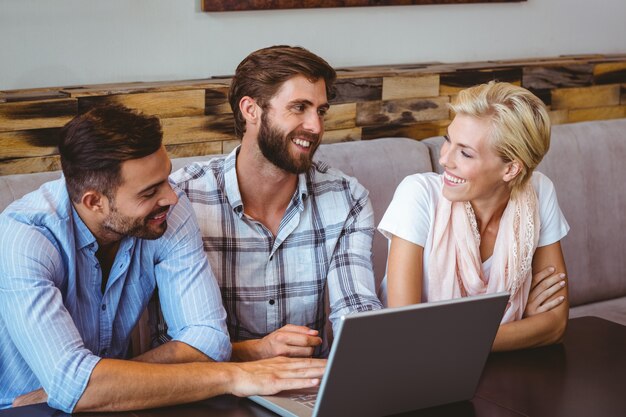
<point>324,240</point>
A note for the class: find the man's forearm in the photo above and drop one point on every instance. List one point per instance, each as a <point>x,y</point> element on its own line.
<point>117,385</point>
<point>246,351</point>
<point>173,352</point>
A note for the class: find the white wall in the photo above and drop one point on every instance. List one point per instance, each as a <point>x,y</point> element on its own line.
<point>72,42</point>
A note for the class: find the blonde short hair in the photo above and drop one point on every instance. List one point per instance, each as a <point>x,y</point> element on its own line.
<point>520,123</point>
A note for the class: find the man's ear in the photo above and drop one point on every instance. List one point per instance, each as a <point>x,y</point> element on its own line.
<point>513,170</point>
<point>94,201</point>
<point>250,110</point>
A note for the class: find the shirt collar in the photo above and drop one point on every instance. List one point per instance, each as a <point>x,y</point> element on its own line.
<point>231,186</point>
<point>84,237</point>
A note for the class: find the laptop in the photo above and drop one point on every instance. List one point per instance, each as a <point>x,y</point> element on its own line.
<point>400,359</point>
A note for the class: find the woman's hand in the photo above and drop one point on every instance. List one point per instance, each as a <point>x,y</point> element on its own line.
<point>545,284</point>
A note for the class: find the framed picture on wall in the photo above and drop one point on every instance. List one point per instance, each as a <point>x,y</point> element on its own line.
<point>234,5</point>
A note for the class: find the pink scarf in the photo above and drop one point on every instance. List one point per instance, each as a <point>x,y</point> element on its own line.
<point>455,267</point>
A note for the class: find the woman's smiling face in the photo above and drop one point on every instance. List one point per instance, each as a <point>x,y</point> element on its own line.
<point>473,170</point>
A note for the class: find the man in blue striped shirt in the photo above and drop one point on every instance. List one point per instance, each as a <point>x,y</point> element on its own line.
<point>79,260</point>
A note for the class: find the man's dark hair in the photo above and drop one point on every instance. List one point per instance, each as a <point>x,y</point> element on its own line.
<point>263,72</point>
<point>93,146</point>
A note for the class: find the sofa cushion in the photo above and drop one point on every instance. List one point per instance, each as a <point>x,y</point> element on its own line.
<point>586,164</point>
<point>379,165</point>
<point>13,187</point>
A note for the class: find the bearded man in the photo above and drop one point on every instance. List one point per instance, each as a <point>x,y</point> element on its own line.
<point>279,229</point>
<point>79,260</point>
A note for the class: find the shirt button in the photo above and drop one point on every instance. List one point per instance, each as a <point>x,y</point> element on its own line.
<point>272,302</point>
<point>104,307</point>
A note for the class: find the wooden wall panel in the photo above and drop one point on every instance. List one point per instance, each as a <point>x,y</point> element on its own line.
<point>216,101</point>
<point>193,149</point>
<point>558,117</point>
<point>548,77</point>
<point>584,98</point>
<point>340,116</point>
<point>452,82</point>
<point>610,73</point>
<point>409,100</point>
<point>178,130</point>
<point>596,113</point>
<point>40,114</point>
<point>162,104</point>
<point>401,112</point>
<point>355,90</point>
<point>28,143</point>
<point>342,135</point>
<point>29,165</point>
<point>414,131</point>
<point>410,87</point>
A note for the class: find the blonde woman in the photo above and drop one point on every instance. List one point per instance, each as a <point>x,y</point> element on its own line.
<point>489,223</point>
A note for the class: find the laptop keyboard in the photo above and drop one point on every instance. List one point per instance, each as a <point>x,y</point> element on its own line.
<point>307,400</point>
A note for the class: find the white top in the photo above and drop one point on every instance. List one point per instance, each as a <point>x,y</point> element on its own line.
<point>411,216</point>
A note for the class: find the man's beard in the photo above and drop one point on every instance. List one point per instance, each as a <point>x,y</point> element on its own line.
<point>274,145</point>
<point>137,227</point>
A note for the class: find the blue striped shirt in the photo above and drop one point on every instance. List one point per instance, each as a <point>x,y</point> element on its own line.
<point>55,321</point>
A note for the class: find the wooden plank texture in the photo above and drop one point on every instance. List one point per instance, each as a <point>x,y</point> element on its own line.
<point>340,116</point>
<point>587,97</point>
<point>216,101</point>
<point>402,112</point>
<point>558,117</point>
<point>610,73</point>
<point>410,87</point>
<point>142,87</point>
<point>597,113</point>
<point>355,90</point>
<point>370,102</point>
<point>342,135</point>
<point>27,115</point>
<point>178,130</point>
<point>32,95</point>
<point>452,83</point>
<point>193,149</point>
<point>29,143</point>
<point>548,77</point>
<point>30,165</point>
<point>163,104</point>
<point>414,131</point>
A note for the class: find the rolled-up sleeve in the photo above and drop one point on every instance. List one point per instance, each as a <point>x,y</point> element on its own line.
<point>188,291</point>
<point>47,348</point>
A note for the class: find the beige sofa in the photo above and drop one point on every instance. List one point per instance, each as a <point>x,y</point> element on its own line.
<point>585,162</point>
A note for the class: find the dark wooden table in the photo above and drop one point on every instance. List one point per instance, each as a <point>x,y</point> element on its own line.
<point>584,376</point>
